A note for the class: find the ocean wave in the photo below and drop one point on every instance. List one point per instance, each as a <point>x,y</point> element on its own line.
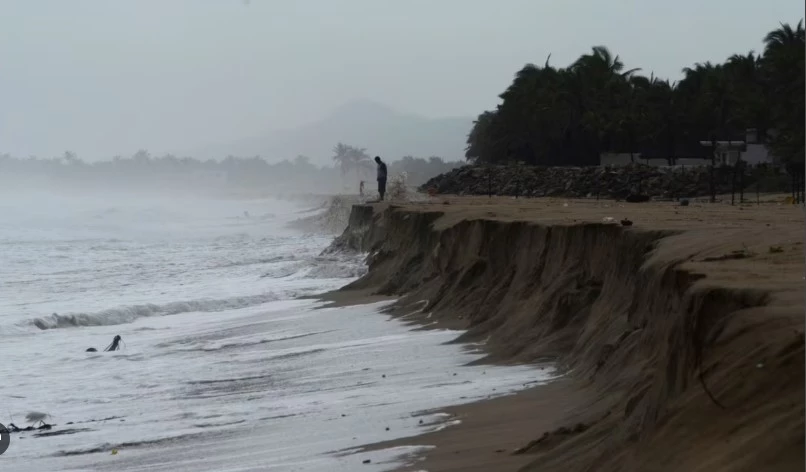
<point>128,314</point>
<point>336,266</point>
<point>259,260</point>
<point>336,270</point>
<point>284,271</point>
<point>320,267</point>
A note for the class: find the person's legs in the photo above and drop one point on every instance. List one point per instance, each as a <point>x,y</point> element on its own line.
<point>381,187</point>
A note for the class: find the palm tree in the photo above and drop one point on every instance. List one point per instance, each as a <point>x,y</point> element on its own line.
<point>663,127</point>
<point>480,140</point>
<point>603,83</point>
<point>568,116</point>
<point>350,158</point>
<point>341,154</point>
<point>784,64</point>
<point>711,104</point>
<point>745,73</point>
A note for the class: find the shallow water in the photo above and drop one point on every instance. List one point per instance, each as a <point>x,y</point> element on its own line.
<point>222,368</point>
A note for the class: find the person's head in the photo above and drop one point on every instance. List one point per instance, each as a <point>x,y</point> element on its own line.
<point>378,159</point>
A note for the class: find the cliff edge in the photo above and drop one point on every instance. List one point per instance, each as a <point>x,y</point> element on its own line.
<point>687,324</point>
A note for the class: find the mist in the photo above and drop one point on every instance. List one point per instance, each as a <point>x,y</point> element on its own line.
<point>168,175</point>
<point>102,78</point>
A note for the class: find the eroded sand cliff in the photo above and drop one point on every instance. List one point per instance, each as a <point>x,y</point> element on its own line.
<point>685,328</point>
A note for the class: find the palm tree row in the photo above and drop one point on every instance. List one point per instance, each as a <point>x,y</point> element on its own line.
<point>569,116</point>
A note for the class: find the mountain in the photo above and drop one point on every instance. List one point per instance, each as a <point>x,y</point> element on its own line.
<point>362,123</point>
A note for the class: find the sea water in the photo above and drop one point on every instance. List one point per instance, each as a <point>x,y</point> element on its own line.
<point>223,366</point>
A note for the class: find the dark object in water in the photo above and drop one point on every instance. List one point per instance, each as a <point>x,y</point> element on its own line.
<point>115,344</point>
<point>12,428</point>
<point>626,222</point>
<point>684,202</point>
<point>636,198</point>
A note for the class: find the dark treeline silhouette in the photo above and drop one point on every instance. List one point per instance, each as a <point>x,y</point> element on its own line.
<point>569,116</point>
<point>351,159</point>
<point>171,173</point>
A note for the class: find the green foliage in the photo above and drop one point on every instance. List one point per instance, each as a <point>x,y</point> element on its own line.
<point>568,116</point>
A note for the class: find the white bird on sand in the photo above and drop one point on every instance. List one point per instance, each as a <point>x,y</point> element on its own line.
<point>36,416</point>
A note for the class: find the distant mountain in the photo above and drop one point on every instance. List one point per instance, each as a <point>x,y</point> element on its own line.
<point>360,123</point>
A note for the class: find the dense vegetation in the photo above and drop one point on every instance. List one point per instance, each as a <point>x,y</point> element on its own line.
<point>142,170</point>
<point>568,116</point>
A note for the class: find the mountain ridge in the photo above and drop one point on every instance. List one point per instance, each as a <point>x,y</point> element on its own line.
<point>363,123</point>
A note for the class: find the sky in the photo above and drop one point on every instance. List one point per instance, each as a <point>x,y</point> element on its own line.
<point>108,77</point>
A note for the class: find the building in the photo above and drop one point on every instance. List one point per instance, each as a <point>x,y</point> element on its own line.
<point>623,159</point>
<point>749,148</point>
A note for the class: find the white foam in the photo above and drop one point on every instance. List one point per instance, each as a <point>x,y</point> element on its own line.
<point>221,369</point>
<point>264,387</point>
<point>127,314</point>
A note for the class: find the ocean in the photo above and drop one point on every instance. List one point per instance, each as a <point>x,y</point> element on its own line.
<point>223,365</point>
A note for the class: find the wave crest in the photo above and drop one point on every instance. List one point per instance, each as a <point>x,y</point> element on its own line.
<point>128,314</point>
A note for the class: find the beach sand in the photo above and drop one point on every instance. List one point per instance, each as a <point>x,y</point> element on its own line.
<point>632,399</point>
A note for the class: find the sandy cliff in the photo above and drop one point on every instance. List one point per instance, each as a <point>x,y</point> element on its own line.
<point>686,327</point>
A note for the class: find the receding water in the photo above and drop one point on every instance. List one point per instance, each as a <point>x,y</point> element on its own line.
<point>223,368</point>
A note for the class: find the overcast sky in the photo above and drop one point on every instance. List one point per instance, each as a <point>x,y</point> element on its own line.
<point>106,77</point>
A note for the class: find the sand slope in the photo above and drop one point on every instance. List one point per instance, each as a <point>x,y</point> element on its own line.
<point>684,330</point>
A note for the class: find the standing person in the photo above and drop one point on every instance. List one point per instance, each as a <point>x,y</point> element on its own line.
<point>381,176</point>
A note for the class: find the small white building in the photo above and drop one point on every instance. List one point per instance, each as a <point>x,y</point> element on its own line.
<point>623,159</point>
<point>751,151</point>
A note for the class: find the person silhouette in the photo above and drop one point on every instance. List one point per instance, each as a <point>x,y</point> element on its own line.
<point>381,177</point>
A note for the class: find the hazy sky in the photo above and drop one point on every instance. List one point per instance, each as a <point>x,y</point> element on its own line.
<point>106,77</point>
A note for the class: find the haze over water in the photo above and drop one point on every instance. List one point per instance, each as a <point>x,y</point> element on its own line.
<point>222,368</point>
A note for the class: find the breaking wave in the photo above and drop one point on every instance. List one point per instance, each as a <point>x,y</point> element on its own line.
<point>338,266</point>
<point>259,261</point>
<point>336,270</point>
<point>128,314</point>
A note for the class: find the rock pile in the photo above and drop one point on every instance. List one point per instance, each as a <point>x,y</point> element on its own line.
<point>581,182</point>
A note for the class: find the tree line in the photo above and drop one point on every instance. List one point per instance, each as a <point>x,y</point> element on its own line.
<point>350,164</point>
<point>351,159</point>
<point>568,116</point>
